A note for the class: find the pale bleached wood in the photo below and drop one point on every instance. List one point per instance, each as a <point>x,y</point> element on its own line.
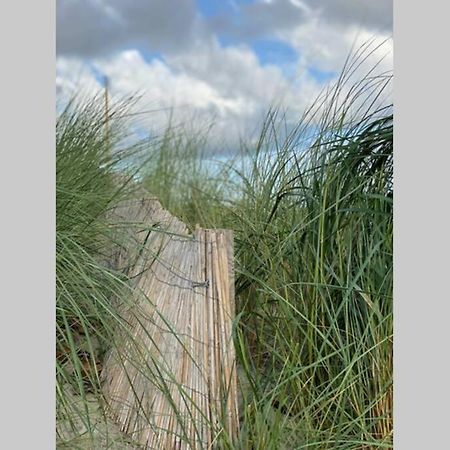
<point>178,341</point>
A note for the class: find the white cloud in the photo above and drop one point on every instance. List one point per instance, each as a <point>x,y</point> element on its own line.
<point>375,16</point>
<point>206,82</point>
<point>90,28</point>
<point>326,47</point>
<point>210,83</point>
<point>74,78</point>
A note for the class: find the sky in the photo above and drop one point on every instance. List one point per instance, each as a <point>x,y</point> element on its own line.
<point>214,62</point>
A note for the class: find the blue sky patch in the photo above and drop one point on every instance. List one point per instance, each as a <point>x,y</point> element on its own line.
<point>98,75</point>
<point>148,55</point>
<point>274,51</point>
<point>321,76</point>
<point>210,8</point>
<point>269,51</point>
<point>227,41</point>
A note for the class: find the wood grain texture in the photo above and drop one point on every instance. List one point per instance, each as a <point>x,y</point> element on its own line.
<point>170,380</point>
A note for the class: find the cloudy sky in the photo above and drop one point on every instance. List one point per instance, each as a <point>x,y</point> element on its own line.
<point>221,61</point>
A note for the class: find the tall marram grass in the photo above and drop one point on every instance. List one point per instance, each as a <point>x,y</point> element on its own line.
<point>88,187</point>
<point>313,230</point>
<point>312,216</point>
<point>315,287</point>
